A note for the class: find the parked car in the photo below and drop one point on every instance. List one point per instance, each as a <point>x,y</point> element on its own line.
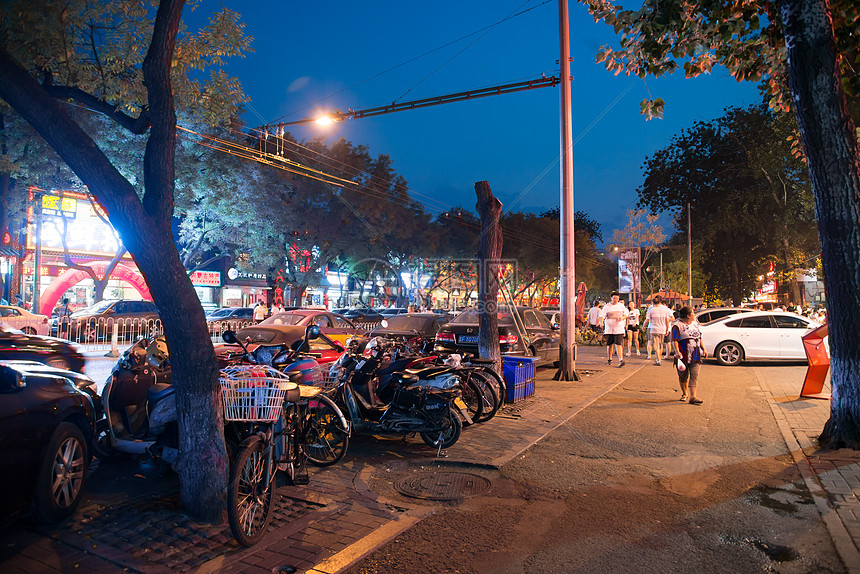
<point>17,345</point>
<point>541,341</point>
<point>708,315</point>
<point>756,335</point>
<point>362,314</point>
<point>392,311</point>
<point>408,326</point>
<point>323,349</point>
<point>134,318</point>
<point>46,427</point>
<point>333,326</point>
<point>553,316</point>
<point>28,322</point>
<point>226,314</point>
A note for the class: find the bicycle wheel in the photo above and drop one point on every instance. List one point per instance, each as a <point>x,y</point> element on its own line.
<point>250,492</point>
<point>489,395</point>
<point>474,397</point>
<point>448,435</point>
<point>327,440</point>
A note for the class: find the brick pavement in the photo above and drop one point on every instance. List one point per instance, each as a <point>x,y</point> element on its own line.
<point>337,519</point>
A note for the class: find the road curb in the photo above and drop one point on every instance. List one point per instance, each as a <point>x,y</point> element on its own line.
<point>845,546</point>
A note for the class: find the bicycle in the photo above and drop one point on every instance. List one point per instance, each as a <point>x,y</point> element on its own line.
<point>268,416</point>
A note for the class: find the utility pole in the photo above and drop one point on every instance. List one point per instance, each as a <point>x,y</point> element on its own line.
<point>689,256</point>
<point>567,294</point>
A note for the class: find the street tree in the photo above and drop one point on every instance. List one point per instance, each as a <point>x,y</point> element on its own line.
<point>750,197</point>
<point>640,238</point>
<point>805,51</point>
<point>135,67</point>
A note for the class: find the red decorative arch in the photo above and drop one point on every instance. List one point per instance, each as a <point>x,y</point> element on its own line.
<point>72,277</point>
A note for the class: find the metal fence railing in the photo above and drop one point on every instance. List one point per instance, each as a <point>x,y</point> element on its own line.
<point>108,333</point>
<point>216,329</point>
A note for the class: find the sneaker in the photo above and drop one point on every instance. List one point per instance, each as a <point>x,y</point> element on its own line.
<point>683,398</point>
<point>628,353</point>
<point>621,363</point>
<point>648,357</point>
<point>657,362</point>
<point>608,361</point>
<point>638,354</point>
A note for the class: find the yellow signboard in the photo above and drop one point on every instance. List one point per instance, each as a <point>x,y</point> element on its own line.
<point>59,206</point>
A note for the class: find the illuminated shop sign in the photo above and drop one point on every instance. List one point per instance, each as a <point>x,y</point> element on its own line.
<point>206,278</point>
<point>234,274</point>
<point>56,206</point>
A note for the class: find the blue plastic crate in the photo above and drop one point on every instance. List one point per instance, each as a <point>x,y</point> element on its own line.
<point>519,375</point>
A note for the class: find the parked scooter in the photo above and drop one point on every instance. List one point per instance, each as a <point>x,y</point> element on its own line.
<point>414,405</point>
<point>140,405</point>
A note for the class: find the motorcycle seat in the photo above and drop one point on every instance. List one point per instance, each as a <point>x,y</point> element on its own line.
<point>478,361</point>
<point>158,391</point>
<point>406,378</point>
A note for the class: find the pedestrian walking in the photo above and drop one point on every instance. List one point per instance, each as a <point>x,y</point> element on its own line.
<point>658,320</point>
<point>260,312</point>
<point>277,308</point>
<point>64,318</point>
<point>689,352</point>
<point>632,328</point>
<point>594,316</point>
<point>613,317</point>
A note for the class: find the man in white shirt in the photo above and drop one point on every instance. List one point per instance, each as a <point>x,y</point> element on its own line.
<point>613,317</point>
<point>594,316</point>
<point>658,321</point>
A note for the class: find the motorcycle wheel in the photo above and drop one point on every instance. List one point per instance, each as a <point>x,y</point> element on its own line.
<point>103,449</point>
<point>448,435</point>
<point>250,493</point>
<point>326,440</point>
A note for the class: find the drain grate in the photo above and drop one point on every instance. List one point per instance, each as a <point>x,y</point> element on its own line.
<point>443,485</point>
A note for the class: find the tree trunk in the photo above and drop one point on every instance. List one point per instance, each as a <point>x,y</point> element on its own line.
<point>830,142</point>
<point>145,227</point>
<point>489,256</point>
<point>736,284</point>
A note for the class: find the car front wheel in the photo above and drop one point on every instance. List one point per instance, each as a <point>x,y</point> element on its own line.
<point>62,474</point>
<point>729,353</point>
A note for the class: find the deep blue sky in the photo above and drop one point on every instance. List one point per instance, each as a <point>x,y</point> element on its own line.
<point>307,51</point>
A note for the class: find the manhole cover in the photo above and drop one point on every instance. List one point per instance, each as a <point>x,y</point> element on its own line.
<point>443,485</point>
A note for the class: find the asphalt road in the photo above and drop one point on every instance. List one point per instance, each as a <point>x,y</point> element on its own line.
<point>637,482</point>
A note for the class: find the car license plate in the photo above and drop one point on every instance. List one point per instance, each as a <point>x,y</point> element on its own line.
<point>473,339</point>
<point>461,404</point>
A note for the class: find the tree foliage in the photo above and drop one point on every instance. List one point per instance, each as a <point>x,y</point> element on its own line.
<point>750,196</point>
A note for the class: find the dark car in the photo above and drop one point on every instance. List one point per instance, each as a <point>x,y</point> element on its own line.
<point>15,345</point>
<point>424,326</point>
<point>226,315</point>
<point>539,340</point>
<point>133,318</point>
<point>46,427</point>
<point>392,311</point>
<point>363,314</point>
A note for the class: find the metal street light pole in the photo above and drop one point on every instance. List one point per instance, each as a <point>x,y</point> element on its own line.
<point>567,295</point>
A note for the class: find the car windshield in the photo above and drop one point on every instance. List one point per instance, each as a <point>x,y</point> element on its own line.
<point>405,323</point>
<point>97,308</point>
<point>283,319</point>
<point>218,313</point>
<point>470,317</point>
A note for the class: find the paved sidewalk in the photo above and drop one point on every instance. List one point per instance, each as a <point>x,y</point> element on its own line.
<point>131,519</point>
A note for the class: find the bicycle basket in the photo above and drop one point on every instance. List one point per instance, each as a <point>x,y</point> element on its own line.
<point>253,392</point>
<point>322,378</point>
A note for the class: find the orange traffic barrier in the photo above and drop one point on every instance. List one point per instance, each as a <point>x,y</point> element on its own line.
<point>819,364</point>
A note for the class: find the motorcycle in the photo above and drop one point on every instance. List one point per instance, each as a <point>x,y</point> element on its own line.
<point>403,404</point>
<point>139,405</point>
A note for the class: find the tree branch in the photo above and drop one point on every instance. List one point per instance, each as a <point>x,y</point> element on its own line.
<point>137,125</point>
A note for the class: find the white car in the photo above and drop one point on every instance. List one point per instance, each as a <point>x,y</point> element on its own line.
<point>774,335</point>
<point>23,320</point>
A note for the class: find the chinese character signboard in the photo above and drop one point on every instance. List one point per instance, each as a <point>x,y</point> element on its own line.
<point>206,278</point>
<point>57,206</point>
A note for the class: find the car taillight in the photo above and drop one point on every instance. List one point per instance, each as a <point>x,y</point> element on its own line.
<point>509,339</point>
<point>445,337</point>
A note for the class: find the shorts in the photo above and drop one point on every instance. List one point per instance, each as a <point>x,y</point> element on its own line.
<point>594,328</point>
<point>613,339</point>
<point>656,335</point>
<point>633,328</point>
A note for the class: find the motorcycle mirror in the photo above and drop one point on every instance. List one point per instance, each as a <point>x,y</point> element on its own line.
<point>229,337</point>
<point>312,332</point>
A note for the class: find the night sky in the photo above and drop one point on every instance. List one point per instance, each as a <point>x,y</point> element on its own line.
<point>307,52</point>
